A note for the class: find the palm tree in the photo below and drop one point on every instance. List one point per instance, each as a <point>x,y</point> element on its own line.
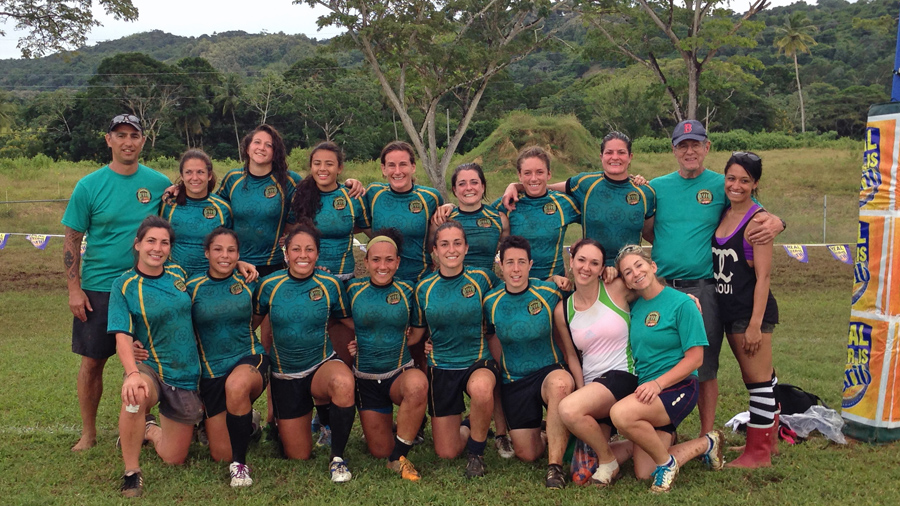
<point>228,97</point>
<point>796,36</point>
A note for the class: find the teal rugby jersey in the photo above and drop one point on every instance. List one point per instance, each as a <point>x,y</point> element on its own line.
<point>687,214</point>
<point>299,310</point>
<point>410,213</point>
<point>543,221</point>
<point>192,222</point>
<point>483,228</point>
<point>222,313</point>
<point>662,329</point>
<point>381,316</point>
<point>451,309</point>
<point>260,210</point>
<point>612,212</point>
<point>157,312</point>
<point>339,214</point>
<point>524,324</point>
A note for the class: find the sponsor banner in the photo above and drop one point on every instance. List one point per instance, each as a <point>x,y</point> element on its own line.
<point>39,241</point>
<point>841,253</point>
<point>797,252</point>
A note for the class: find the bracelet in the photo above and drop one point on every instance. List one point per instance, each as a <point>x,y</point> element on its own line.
<point>657,384</point>
<point>138,372</point>
<point>783,225</point>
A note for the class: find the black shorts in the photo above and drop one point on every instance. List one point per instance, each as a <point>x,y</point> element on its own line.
<point>90,338</point>
<point>447,386</point>
<point>522,401</point>
<point>212,390</point>
<point>265,270</point>
<point>375,395</point>
<point>679,400</point>
<point>620,384</point>
<point>292,398</point>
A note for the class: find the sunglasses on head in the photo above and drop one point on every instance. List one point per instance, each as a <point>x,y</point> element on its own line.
<point>746,154</point>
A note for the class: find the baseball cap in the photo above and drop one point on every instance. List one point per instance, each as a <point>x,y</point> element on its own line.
<point>125,119</point>
<point>688,130</point>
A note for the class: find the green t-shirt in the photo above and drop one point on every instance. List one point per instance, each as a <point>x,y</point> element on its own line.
<point>191,223</point>
<point>410,213</point>
<point>157,312</point>
<point>451,310</point>
<point>662,330</point>
<point>335,220</point>
<point>687,214</point>
<point>612,212</point>
<point>524,324</point>
<point>483,228</point>
<point>543,221</point>
<point>381,316</point>
<point>260,208</point>
<point>108,208</point>
<point>222,312</point>
<point>299,310</point>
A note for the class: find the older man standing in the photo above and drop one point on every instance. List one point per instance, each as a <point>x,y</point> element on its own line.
<point>107,205</point>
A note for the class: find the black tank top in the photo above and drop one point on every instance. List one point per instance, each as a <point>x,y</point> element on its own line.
<point>735,279</point>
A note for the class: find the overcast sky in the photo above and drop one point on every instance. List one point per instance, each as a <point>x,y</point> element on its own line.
<point>198,17</point>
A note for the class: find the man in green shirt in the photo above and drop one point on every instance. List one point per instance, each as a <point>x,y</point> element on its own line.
<point>107,205</point>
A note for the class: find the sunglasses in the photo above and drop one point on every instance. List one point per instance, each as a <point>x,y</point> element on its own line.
<point>745,154</point>
<point>628,250</point>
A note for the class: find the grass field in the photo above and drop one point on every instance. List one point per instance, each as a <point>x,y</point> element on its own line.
<point>39,415</point>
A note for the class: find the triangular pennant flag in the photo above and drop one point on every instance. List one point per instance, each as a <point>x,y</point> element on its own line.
<point>83,245</point>
<point>797,252</point>
<point>841,253</point>
<point>39,241</point>
<point>3,238</point>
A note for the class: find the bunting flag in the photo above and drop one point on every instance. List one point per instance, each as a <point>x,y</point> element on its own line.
<point>797,252</point>
<point>39,241</point>
<point>3,238</point>
<point>83,245</point>
<point>841,253</point>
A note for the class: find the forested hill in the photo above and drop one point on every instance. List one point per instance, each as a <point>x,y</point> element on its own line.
<point>235,51</point>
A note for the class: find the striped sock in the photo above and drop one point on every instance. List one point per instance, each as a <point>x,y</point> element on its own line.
<point>762,404</point>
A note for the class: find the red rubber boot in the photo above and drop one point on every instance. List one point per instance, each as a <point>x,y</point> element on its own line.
<point>757,452</point>
<point>775,429</point>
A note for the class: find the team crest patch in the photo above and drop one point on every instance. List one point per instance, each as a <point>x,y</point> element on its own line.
<point>143,195</point>
<point>339,203</point>
<point>270,191</point>
<point>704,197</point>
<point>179,284</point>
<point>632,198</point>
<point>316,294</point>
<point>393,298</point>
<point>415,207</point>
<point>483,223</point>
<point>534,307</point>
<point>209,212</point>
<point>468,290</point>
<point>236,289</point>
<point>549,208</point>
<point>652,319</point>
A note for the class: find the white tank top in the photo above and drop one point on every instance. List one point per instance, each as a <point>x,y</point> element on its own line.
<point>600,333</point>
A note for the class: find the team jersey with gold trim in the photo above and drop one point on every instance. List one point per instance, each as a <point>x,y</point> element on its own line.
<point>450,307</point>
<point>222,312</point>
<point>381,316</point>
<point>543,221</point>
<point>192,221</point>
<point>335,220</point>
<point>662,329</point>
<point>612,212</point>
<point>410,213</point>
<point>299,310</point>
<point>156,310</point>
<point>259,208</point>
<point>524,324</point>
<point>483,228</point>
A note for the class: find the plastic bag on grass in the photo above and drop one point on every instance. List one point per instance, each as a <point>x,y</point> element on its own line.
<point>820,418</point>
<point>584,463</point>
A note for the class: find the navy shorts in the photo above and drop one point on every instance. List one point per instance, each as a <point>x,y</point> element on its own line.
<point>90,338</point>
<point>522,401</point>
<point>679,400</point>
<point>447,386</point>
<point>212,390</point>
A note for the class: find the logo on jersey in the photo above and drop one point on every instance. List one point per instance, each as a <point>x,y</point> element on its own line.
<point>316,294</point>
<point>483,222</point>
<point>468,290</point>
<point>393,298</point>
<point>549,208</point>
<point>704,197</point>
<point>722,255</point>
<point>270,191</point>
<point>534,307</point>
<point>652,319</point>
<point>143,195</point>
<point>209,212</point>
<point>179,284</point>
<point>339,203</point>
<point>632,198</point>
<point>236,289</point>
<point>415,207</point>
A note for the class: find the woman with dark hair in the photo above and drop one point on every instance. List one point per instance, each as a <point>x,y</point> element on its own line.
<point>149,303</point>
<point>746,305</point>
<point>383,308</point>
<point>301,301</point>
<point>195,211</point>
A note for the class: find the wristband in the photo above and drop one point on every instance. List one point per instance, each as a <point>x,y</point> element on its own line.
<point>783,224</point>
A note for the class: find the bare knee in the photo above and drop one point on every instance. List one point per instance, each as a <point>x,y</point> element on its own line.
<point>568,411</point>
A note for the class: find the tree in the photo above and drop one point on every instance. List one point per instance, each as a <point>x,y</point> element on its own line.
<point>228,97</point>
<point>57,25</point>
<point>264,94</point>
<point>423,52</point>
<point>796,36</point>
<point>643,30</point>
